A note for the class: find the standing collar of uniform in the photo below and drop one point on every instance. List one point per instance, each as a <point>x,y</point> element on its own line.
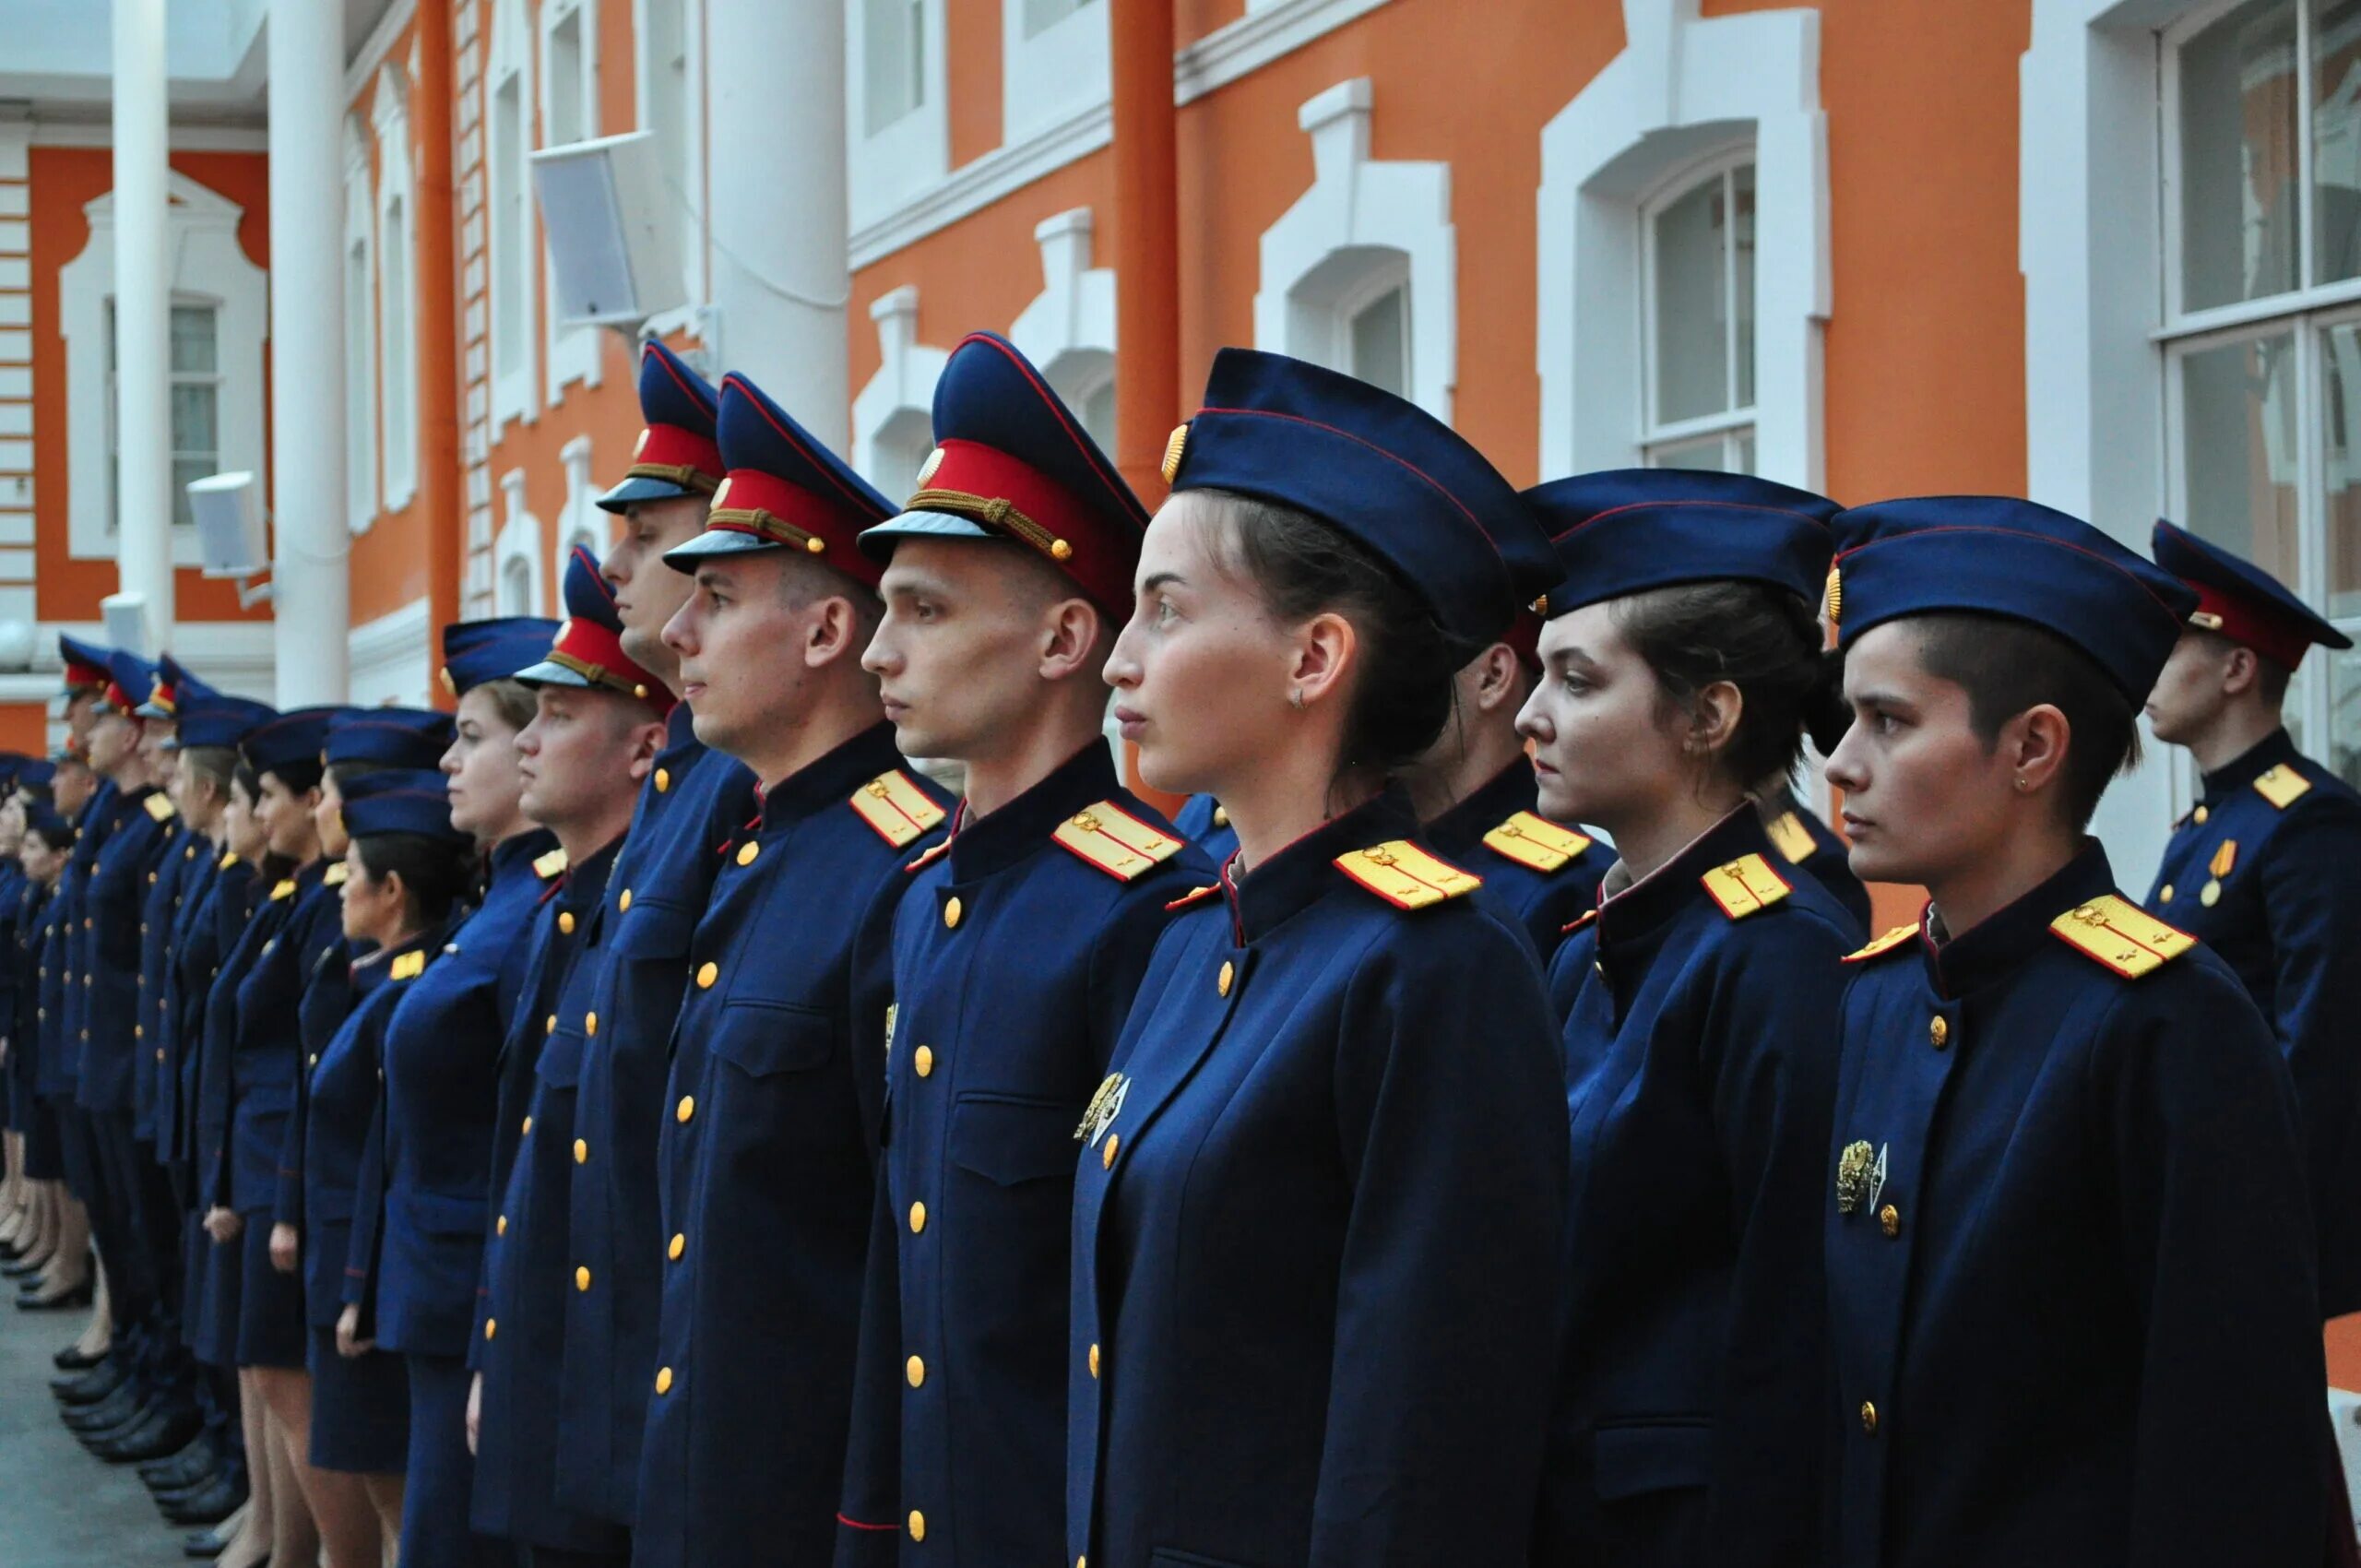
<point>584,885</point>
<point>1678,885</point>
<point>1305,872</point>
<point>2273,750</point>
<point>830,778</point>
<point>1999,945</point>
<point>368,973</point>
<point>1512,789</point>
<point>984,844</point>
<point>679,735</point>
<point>519,850</point>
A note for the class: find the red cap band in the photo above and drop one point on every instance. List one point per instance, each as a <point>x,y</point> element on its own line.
<point>80,676</point>
<point>985,485</point>
<point>2244,620</point>
<point>763,505</point>
<point>596,653</point>
<point>668,451</point>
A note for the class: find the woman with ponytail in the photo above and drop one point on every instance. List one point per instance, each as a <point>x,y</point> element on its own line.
<point>1681,661</point>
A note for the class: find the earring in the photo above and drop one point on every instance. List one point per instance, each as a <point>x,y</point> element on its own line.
<point>2020,782</point>
<point>1295,697</point>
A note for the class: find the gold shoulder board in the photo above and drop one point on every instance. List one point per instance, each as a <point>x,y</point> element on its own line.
<point>1407,876</point>
<point>550,865</point>
<point>897,808</point>
<point>1791,838</point>
<point>1883,944</point>
<point>160,806</point>
<point>229,858</point>
<point>1746,885</point>
<point>2283,786</point>
<point>1536,841</point>
<point>1115,841</point>
<point>284,890</point>
<point>334,876</point>
<point>2121,935</point>
<point>1195,896</point>
<point>408,966</point>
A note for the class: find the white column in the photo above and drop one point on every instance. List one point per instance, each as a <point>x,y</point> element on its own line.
<point>777,197</point>
<point>311,592</point>
<point>143,298</point>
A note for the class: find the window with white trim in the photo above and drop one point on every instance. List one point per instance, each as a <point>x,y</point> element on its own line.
<point>672,103</point>
<point>360,342</point>
<point>514,269</point>
<point>569,79</point>
<point>2262,170</point>
<point>897,136</point>
<point>893,61</point>
<point>1055,64</point>
<point>396,290</point>
<point>1084,380</point>
<point>898,451</point>
<point>195,370</point>
<point>1374,330</point>
<point>1697,329</point>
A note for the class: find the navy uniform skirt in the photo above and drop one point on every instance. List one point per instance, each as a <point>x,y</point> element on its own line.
<point>270,1304</point>
<point>360,1409</point>
<point>214,1337</point>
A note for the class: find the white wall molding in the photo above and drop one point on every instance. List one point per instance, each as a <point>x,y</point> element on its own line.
<point>392,657</point>
<point>184,139</point>
<point>1267,32</point>
<point>581,522</point>
<point>208,267</point>
<point>377,46</point>
<point>398,358</point>
<point>520,581</point>
<point>893,415</point>
<point>1684,87</point>
<point>1069,329</point>
<point>1048,75</point>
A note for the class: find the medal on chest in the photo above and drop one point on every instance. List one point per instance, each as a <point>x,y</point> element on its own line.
<point>1860,1176</point>
<point>1105,1106</point>
<point>2224,859</point>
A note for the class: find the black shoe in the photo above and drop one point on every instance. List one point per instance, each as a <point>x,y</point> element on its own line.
<point>32,1301</point>
<point>197,1458</point>
<point>25,1265</point>
<point>75,1359</point>
<point>110,1411</point>
<point>123,1428</point>
<point>210,1507</point>
<point>89,1385</point>
<point>161,1434</point>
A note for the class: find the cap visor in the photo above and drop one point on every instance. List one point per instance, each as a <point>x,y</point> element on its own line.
<point>717,542</point>
<point>639,487</point>
<point>549,673</point>
<point>877,544</point>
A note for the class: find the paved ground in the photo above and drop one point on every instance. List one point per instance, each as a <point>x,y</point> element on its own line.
<point>60,1508</point>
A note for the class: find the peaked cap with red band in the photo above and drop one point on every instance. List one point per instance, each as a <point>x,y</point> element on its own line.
<point>784,491</point>
<point>1377,468</point>
<point>677,454</point>
<point>1622,531</point>
<point>171,686</point>
<point>588,651</point>
<point>129,679</point>
<point>1012,461</point>
<point>2241,600</point>
<point>86,664</point>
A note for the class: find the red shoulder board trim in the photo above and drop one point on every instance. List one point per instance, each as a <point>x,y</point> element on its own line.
<point>933,855</point>
<point>1115,841</point>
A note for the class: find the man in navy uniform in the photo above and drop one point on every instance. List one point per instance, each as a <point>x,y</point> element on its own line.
<point>608,1089</point>
<point>2266,869</point>
<point>599,727</point>
<point>1016,955</point>
<point>763,1161</point>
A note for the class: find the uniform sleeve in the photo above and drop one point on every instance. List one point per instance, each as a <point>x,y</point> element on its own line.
<point>1450,1119</point>
<point>365,1247</point>
<point>2199,1121</point>
<point>1769,1065</point>
<point>869,1531</point>
<point>287,1206</point>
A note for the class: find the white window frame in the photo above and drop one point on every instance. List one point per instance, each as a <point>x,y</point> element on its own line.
<point>688,132</point>
<point>361,479</point>
<point>581,522</point>
<point>1737,423</point>
<point>208,265</point>
<point>899,398</point>
<point>1364,226</point>
<point>1069,329</point>
<point>398,347</point>
<point>518,546</point>
<point>1052,76</point>
<point>909,156</point>
<point>573,352</point>
<point>1684,88</point>
<point>508,60</point>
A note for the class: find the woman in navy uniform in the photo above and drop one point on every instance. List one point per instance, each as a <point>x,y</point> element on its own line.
<point>48,836</point>
<point>2071,1282</point>
<point>1682,657</point>
<point>1323,1192</point>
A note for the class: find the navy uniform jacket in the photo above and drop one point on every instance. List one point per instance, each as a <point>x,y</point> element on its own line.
<point>442,1050</point>
<point>330,992</point>
<point>1804,840</point>
<point>15,978</point>
<point>519,1339</point>
<point>606,1213</point>
<point>1005,1024</point>
<point>198,956</point>
<point>767,1181</point>
<point>266,1052</point>
<point>1203,823</point>
<point>108,953</point>
<point>1540,873</point>
<point>1699,1071</point>
<point>2266,871</point>
<point>1318,1226</point>
<point>71,901</point>
<point>53,978</point>
<point>2070,1289</point>
<point>179,870</point>
<point>340,1119</point>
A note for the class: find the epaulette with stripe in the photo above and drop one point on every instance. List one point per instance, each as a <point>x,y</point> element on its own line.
<point>407,966</point>
<point>1882,945</point>
<point>160,806</point>
<point>2283,786</point>
<point>1791,838</point>
<point>1115,841</point>
<point>894,805</point>
<point>1195,896</point>
<point>283,890</point>
<point>1407,876</point>
<point>1744,886</point>
<point>933,853</point>
<point>549,865</point>
<point>2121,935</point>
<point>336,873</point>
<point>1535,842</point>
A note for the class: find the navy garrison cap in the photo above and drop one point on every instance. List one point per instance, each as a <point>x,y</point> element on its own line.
<point>1995,555</point>
<point>1011,461</point>
<point>2241,600</point>
<point>49,823</point>
<point>676,455</point>
<point>784,490</point>
<point>1379,470</point>
<point>217,720</point>
<point>401,799</point>
<point>388,737</point>
<point>493,649</point>
<point>290,744</point>
<point>588,650</point>
<point>1623,531</point>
